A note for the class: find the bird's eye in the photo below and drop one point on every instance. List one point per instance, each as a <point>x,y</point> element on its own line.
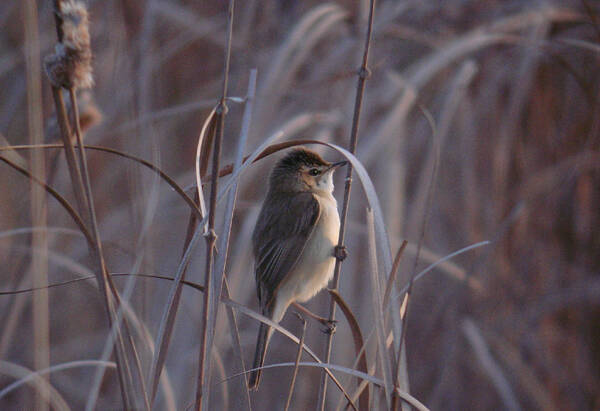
<point>313,172</point>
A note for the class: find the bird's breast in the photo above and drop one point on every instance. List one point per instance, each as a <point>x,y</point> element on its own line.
<point>315,266</point>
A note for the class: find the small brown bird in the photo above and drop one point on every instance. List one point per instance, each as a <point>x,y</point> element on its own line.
<point>294,239</point>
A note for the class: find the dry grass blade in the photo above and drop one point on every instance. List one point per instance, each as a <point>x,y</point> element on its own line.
<point>231,303</point>
<point>527,379</point>
<point>202,151</point>
<point>361,358</point>
<point>409,399</point>
<point>489,365</point>
<point>40,384</point>
<point>227,224</point>
<point>11,154</point>
<point>164,176</point>
<point>167,322</point>
<point>57,367</point>
<point>391,280</point>
<point>168,318</point>
<point>386,300</point>
<point>432,163</point>
<point>378,309</point>
<point>225,300</point>
<point>48,229</point>
<point>237,343</point>
<point>442,260</point>
<point>211,237</point>
<point>288,334</point>
<point>63,202</point>
<point>298,358</point>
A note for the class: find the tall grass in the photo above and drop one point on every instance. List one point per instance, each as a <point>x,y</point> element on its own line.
<point>477,162</point>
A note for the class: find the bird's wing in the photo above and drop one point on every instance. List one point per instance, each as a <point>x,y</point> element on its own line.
<point>284,226</point>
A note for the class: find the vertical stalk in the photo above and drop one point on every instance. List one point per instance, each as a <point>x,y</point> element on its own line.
<point>211,236</point>
<point>39,240</point>
<point>109,290</point>
<point>73,166</point>
<point>82,189</point>
<point>363,74</point>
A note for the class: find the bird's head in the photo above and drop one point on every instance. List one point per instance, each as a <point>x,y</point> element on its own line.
<point>303,170</point>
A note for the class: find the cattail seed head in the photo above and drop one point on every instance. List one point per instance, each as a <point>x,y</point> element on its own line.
<point>71,64</point>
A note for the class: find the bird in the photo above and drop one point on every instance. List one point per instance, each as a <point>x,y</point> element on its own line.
<point>294,241</point>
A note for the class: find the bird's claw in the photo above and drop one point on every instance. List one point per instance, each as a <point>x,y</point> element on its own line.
<point>340,252</point>
<point>330,326</point>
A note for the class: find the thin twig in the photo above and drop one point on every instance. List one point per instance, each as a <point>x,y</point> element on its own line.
<point>363,74</point>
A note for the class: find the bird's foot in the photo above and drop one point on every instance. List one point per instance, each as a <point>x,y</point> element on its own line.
<point>340,252</point>
<point>330,326</point>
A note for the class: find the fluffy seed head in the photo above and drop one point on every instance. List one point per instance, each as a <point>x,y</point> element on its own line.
<point>71,64</point>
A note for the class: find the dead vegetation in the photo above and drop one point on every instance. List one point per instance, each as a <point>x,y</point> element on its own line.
<point>479,132</point>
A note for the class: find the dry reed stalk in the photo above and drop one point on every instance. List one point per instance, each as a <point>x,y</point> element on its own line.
<point>211,237</point>
<point>363,74</point>
<point>38,207</point>
<point>225,300</point>
<point>197,214</point>
<point>359,346</point>
<point>70,68</point>
<point>220,265</point>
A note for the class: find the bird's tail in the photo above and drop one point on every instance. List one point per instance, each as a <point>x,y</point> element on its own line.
<point>264,335</point>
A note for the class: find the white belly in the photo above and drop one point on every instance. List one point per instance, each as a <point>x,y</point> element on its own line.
<point>315,267</point>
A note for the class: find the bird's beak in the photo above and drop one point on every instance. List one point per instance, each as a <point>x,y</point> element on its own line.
<point>335,166</point>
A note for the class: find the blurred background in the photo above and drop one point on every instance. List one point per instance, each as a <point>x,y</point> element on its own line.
<point>481,122</point>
